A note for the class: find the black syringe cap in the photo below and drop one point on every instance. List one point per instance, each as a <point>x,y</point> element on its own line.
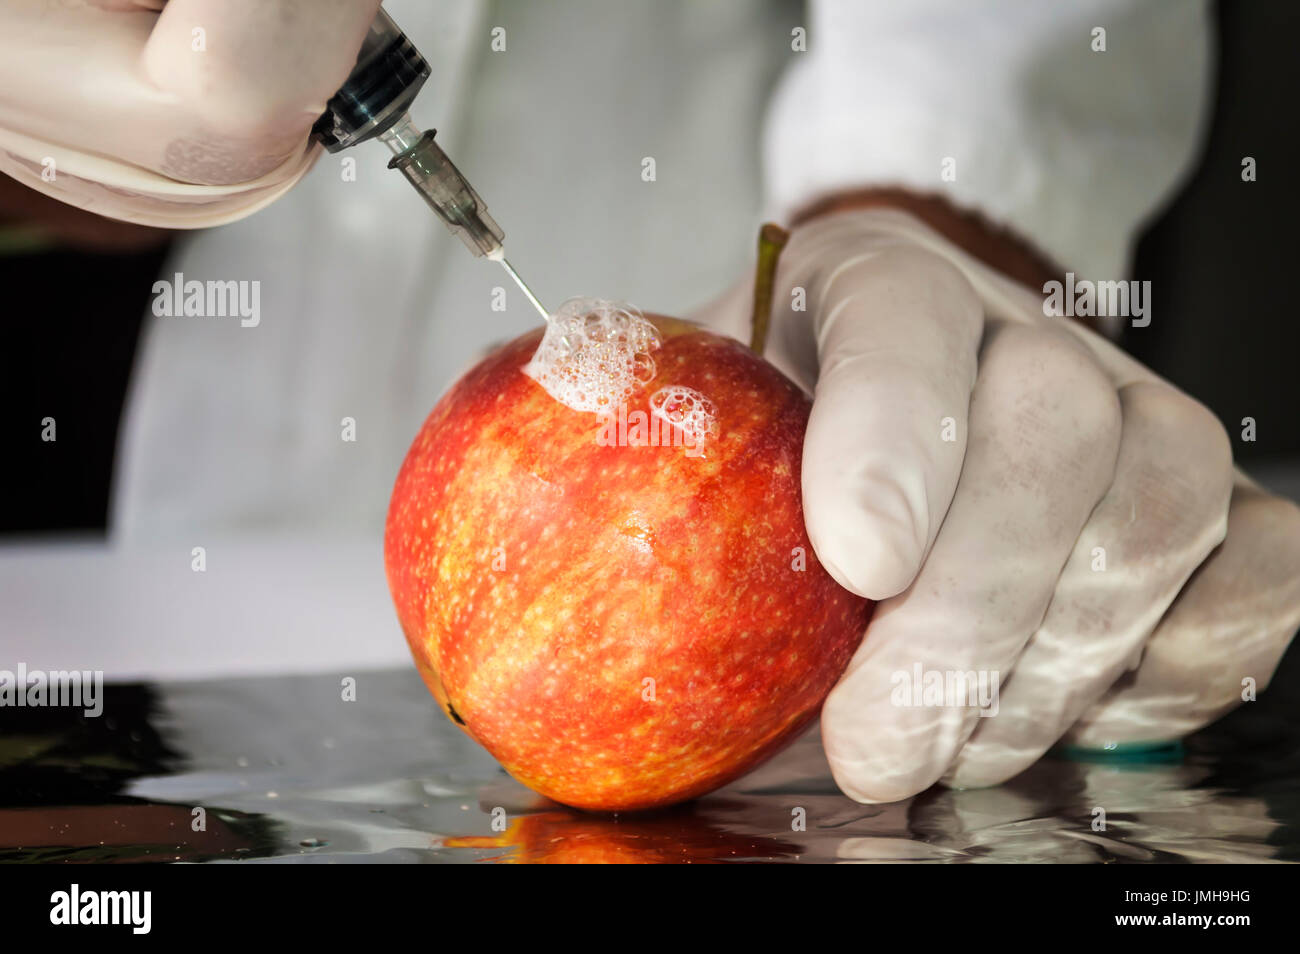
<point>388,74</point>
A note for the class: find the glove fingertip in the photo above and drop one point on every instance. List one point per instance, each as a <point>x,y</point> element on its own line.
<point>871,538</point>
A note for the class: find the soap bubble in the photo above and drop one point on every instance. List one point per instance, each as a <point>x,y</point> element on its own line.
<point>687,409</point>
<point>594,354</point>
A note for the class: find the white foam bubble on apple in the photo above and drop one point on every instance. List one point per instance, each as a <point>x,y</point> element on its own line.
<point>687,409</point>
<point>594,354</point>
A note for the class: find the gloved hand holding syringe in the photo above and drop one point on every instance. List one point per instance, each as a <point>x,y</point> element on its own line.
<point>192,114</point>
<point>373,104</point>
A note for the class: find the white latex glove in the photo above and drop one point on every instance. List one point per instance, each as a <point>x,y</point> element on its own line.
<point>982,549</point>
<point>142,126</point>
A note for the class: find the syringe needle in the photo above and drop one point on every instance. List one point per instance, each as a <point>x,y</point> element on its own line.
<point>528,292</point>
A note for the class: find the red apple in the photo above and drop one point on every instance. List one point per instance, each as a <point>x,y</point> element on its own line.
<point>622,627</point>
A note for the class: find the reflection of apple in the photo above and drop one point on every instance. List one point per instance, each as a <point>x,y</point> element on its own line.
<point>623,627</point>
<point>677,836</point>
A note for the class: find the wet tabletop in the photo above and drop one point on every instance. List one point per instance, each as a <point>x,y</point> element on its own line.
<point>287,770</point>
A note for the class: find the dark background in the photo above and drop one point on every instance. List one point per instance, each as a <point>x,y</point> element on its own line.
<point>1221,260</point>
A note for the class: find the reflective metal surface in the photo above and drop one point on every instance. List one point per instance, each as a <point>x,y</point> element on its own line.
<point>288,770</point>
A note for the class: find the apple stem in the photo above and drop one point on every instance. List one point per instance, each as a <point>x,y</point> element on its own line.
<point>771,240</point>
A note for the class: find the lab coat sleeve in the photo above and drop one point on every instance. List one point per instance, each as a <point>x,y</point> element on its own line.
<point>1006,107</point>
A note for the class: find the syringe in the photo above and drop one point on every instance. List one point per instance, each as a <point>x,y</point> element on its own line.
<point>373,104</point>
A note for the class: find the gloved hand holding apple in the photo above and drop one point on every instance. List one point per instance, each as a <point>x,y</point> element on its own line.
<point>1082,534</point>
<point>1022,499</point>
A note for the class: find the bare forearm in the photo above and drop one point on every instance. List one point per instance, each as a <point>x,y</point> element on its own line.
<point>997,247</point>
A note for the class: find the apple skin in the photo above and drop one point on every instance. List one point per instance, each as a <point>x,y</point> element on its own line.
<point>542,579</point>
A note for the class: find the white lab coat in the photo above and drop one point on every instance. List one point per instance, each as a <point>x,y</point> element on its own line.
<point>233,436</point>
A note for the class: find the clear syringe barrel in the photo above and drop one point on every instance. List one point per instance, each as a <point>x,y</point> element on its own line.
<point>380,89</point>
<point>448,192</point>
